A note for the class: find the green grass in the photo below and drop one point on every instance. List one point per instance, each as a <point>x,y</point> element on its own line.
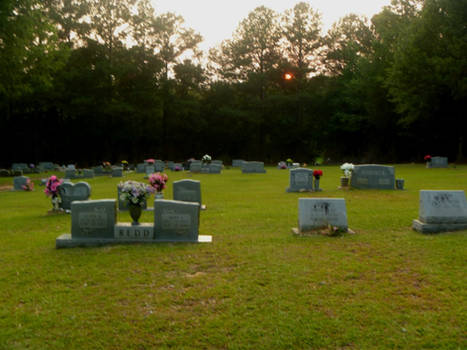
<point>255,287</point>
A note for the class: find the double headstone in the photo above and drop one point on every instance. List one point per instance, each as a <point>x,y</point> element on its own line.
<point>441,211</point>
<point>19,182</point>
<point>373,176</point>
<point>438,162</point>
<point>69,192</point>
<point>301,179</point>
<point>318,213</point>
<point>253,167</point>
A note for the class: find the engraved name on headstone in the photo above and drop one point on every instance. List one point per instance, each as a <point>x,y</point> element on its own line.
<point>176,220</point>
<point>93,219</point>
<point>373,176</point>
<point>315,213</point>
<point>301,179</point>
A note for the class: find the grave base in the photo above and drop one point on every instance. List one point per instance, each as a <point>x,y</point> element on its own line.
<point>297,232</point>
<point>65,241</point>
<point>422,227</point>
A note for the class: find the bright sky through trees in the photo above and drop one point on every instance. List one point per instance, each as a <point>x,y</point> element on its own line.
<point>215,20</point>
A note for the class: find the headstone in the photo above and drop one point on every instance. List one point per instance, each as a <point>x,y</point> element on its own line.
<point>117,172</point>
<point>150,169</point>
<point>216,161</point>
<point>316,213</point>
<point>70,173</point>
<point>140,168</point>
<point>253,167</point>
<point>159,165</point>
<point>19,166</point>
<point>237,163</point>
<point>177,167</point>
<point>373,176</point>
<point>438,162</point>
<point>301,179</point>
<point>195,166</point>
<point>69,192</point>
<point>46,165</point>
<point>215,168</point>
<point>441,211</point>
<point>71,166</point>
<point>88,173</point>
<point>92,223</point>
<point>176,221</point>
<point>170,165</point>
<point>98,170</point>
<point>187,191</point>
<point>19,182</point>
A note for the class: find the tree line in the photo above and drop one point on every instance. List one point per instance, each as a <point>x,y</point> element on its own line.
<point>93,80</point>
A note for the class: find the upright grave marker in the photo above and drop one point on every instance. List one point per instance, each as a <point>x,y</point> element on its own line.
<point>438,162</point>
<point>373,176</point>
<point>187,191</point>
<point>301,179</point>
<point>19,182</point>
<point>253,167</point>
<point>318,213</point>
<point>69,192</point>
<point>441,211</point>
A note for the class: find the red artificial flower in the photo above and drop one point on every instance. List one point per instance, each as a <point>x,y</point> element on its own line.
<point>427,157</point>
<point>317,173</point>
<point>150,160</point>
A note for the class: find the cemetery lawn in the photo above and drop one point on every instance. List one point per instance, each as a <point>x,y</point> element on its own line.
<point>256,286</point>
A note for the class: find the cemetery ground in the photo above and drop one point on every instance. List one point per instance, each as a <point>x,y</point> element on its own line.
<point>256,286</point>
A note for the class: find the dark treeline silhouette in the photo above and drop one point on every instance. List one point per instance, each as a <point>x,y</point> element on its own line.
<point>91,81</point>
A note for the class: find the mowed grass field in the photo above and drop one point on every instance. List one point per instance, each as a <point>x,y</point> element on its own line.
<point>256,286</point>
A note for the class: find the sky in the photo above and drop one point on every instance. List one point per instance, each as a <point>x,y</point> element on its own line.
<point>216,20</point>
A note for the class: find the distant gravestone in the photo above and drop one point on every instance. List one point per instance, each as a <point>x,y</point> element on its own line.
<point>88,173</point>
<point>301,179</point>
<point>177,167</point>
<point>170,165</point>
<point>117,172</point>
<point>98,170</point>
<point>46,165</point>
<point>216,161</point>
<point>373,176</point>
<point>253,167</point>
<point>441,211</point>
<point>215,168</point>
<point>316,213</point>
<point>187,191</point>
<point>159,165</point>
<point>150,169</point>
<point>19,182</point>
<point>237,163</point>
<point>140,168</point>
<point>70,173</point>
<point>19,166</point>
<point>92,223</point>
<point>438,162</point>
<point>195,166</point>
<point>176,221</point>
<point>71,166</point>
<point>69,192</point>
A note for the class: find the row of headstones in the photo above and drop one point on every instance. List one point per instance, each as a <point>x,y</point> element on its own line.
<point>183,190</point>
<point>94,222</point>
<point>213,167</point>
<point>439,211</point>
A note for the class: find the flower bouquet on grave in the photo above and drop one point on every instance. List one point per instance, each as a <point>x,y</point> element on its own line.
<point>158,182</point>
<point>124,165</point>
<point>28,186</point>
<point>150,161</point>
<point>107,166</point>
<point>135,194</point>
<point>347,168</point>
<point>289,162</point>
<point>206,159</point>
<point>51,190</point>
<point>317,174</point>
<point>178,168</point>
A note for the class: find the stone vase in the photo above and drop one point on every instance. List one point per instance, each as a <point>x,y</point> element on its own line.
<point>159,195</point>
<point>135,213</point>
<point>316,185</point>
<point>344,181</point>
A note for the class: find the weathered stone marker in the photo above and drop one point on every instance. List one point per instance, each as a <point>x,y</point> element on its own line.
<point>373,176</point>
<point>441,211</point>
<point>438,162</point>
<point>69,192</point>
<point>19,182</point>
<point>318,213</point>
<point>253,167</point>
<point>301,179</point>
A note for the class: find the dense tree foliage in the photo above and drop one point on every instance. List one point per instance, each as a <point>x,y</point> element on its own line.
<point>90,80</point>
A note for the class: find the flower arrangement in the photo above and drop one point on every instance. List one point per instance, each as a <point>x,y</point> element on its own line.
<point>150,161</point>
<point>178,168</point>
<point>124,164</point>
<point>206,158</point>
<point>282,165</point>
<point>28,186</point>
<point>157,181</point>
<point>427,158</point>
<point>317,174</point>
<point>347,169</point>
<point>134,192</point>
<point>51,186</point>
<point>107,165</point>
<point>289,161</point>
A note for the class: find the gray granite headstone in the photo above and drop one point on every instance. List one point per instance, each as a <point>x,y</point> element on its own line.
<point>176,221</point>
<point>71,166</point>
<point>373,176</point>
<point>88,173</point>
<point>117,172</point>
<point>301,179</point>
<point>215,168</point>
<point>253,167</point>
<point>315,213</point>
<point>170,165</point>
<point>150,169</point>
<point>19,166</point>
<point>438,162</point>
<point>237,163</point>
<point>19,182</point>
<point>159,165</point>
<point>216,161</point>
<point>69,192</point>
<point>70,173</point>
<point>93,219</point>
<point>441,211</point>
<point>140,168</point>
<point>187,191</point>
<point>195,166</point>
<point>46,165</point>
